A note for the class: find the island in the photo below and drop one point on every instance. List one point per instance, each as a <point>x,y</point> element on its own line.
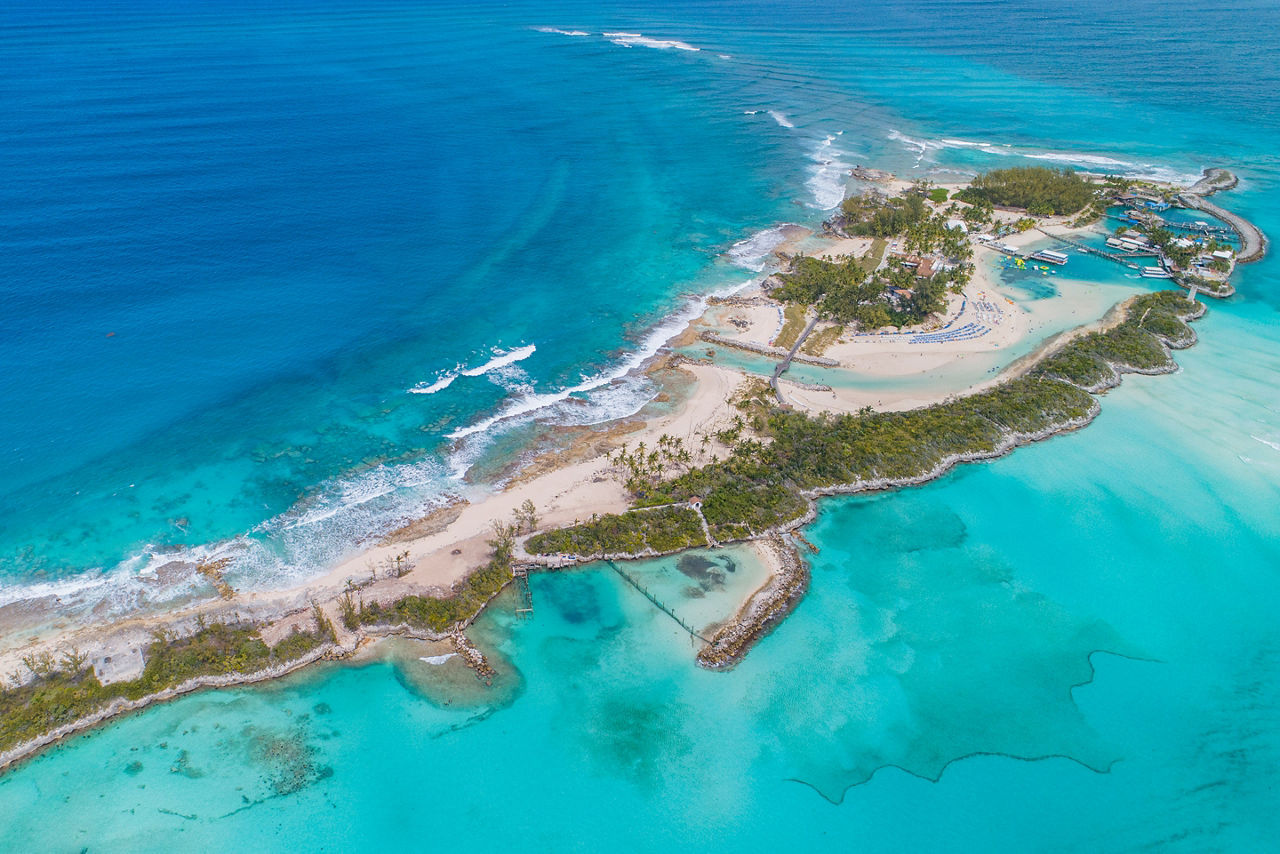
<point>900,282</point>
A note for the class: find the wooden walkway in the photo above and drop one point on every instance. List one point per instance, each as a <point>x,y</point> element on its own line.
<point>1110,256</point>
<point>786,363</point>
<point>524,601</point>
<point>656,602</point>
<point>1160,222</point>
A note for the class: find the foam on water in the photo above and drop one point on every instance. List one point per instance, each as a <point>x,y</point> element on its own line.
<point>1091,162</point>
<point>501,359</point>
<point>442,382</point>
<point>285,549</point>
<point>1274,445</point>
<point>627,398</point>
<point>638,40</point>
<point>577,33</point>
<point>754,252</point>
<point>828,176</point>
<point>781,119</point>
<point>944,629</point>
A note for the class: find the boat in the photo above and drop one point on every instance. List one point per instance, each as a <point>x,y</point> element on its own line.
<point>1051,256</point>
<point>1156,273</point>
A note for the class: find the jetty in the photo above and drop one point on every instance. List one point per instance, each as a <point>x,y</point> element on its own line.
<point>524,595</point>
<point>1214,179</point>
<point>1253,243</point>
<point>1084,247</point>
<point>766,350</point>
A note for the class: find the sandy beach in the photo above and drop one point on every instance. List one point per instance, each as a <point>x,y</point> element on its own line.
<point>942,358</point>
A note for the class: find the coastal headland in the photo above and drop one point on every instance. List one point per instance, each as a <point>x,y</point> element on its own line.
<point>903,285</point>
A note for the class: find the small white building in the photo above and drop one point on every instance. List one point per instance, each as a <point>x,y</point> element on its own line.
<point>958,224</point>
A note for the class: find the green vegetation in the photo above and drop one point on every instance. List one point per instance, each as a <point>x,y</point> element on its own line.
<point>1091,214</point>
<point>858,291</point>
<point>938,195</point>
<point>62,692</point>
<point>979,210</point>
<point>1133,344</point>
<point>792,325</point>
<point>1164,240</point>
<point>760,484</point>
<point>443,614</point>
<point>662,529</point>
<point>874,256</point>
<point>437,614</point>
<point>872,215</point>
<point>843,292</point>
<point>1207,285</point>
<point>821,339</point>
<point>1037,189</point>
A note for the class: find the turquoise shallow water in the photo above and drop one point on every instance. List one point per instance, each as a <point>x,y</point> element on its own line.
<point>1070,648</point>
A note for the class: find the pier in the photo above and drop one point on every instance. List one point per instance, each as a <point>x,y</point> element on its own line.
<point>1253,243</point>
<point>693,633</point>
<point>524,602</point>
<point>1110,256</point>
<point>1204,229</point>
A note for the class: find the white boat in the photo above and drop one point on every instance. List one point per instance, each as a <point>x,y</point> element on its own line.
<point>1156,273</point>
<point>1051,256</point>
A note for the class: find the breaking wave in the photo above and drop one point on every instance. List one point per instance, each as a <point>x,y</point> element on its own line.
<point>781,119</point>
<point>578,33</point>
<point>754,252</point>
<point>924,149</point>
<point>638,40</point>
<point>501,359</point>
<point>828,176</point>
<point>442,382</point>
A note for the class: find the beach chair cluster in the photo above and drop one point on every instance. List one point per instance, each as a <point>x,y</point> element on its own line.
<point>967,332</point>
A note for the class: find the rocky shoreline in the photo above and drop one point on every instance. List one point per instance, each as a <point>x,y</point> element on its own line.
<point>28,749</point>
<point>764,609</point>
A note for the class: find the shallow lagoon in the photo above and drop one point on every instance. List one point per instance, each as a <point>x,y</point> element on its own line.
<point>958,618</point>
<point>1048,606</point>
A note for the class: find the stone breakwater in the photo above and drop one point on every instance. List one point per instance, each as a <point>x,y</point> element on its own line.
<point>1253,243</point>
<point>467,651</point>
<point>766,350</point>
<point>766,608</point>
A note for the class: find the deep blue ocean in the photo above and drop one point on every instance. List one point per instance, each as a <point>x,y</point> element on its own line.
<point>277,277</point>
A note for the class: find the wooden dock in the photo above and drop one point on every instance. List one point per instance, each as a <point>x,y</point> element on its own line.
<point>1110,256</point>
<point>524,601</point>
